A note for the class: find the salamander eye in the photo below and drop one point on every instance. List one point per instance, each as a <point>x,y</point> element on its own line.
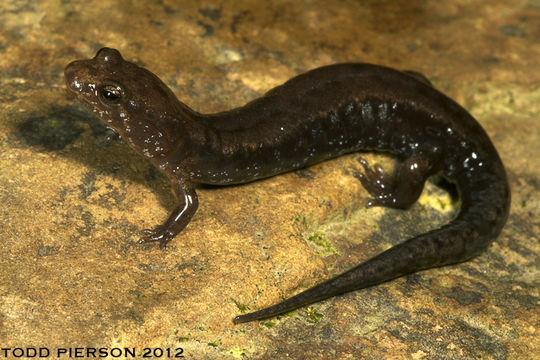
<point>111,94</point>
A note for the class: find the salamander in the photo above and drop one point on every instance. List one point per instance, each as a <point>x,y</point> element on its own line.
<point>315,116</point>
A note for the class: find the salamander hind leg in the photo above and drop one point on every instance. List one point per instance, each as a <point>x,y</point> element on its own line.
<point>401,189</point>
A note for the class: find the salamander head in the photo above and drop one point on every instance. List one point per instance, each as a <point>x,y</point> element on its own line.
<point>128,98</point>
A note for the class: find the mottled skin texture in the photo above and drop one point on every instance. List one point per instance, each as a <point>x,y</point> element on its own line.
<point>315,116</point>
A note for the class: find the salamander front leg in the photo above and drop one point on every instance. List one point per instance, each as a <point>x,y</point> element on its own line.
<point>403,188</point>
<point>179,218</point>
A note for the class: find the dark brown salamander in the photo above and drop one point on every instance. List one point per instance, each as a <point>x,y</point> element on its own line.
<point>315,116</point>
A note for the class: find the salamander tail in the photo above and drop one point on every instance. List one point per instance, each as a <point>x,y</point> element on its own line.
<point>439,247</point>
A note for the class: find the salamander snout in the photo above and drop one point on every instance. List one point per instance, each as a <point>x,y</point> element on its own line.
<point>106,62</point>
<point>70,75</point>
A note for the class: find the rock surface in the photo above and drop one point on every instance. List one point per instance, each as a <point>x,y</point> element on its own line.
<point>72,201</point>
